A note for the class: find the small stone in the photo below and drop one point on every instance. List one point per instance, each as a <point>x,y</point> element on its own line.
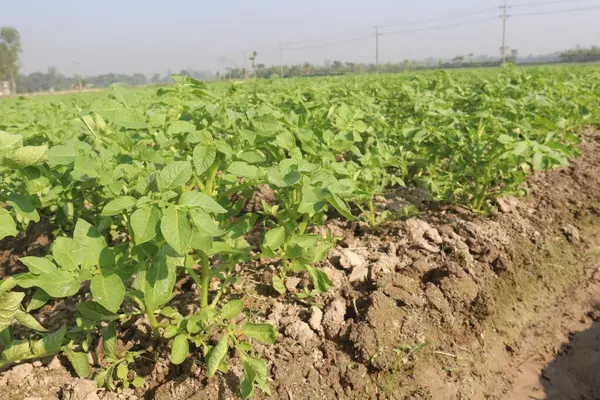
<point>333,318</point>
<point>82,389</point>
<point>37,363</point>
<point>301,332</point>
<point>54,364</point>
<point>19,373</point>
<point>359,274</point>
<point>571,233</point>
<point>436,298</point>
<point>350,260</point>
<point>291,284</point>
<point>316,318</point>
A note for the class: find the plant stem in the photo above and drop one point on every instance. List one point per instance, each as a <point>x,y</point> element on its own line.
<point>205,279</point>
<point>153,321</point>
<point>210,176</point>
<point>371,212</point>
<point>303,224</point>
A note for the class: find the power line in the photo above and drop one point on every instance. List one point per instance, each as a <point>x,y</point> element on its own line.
<point>542,3</point>
<point>323,46</point>
<point>433,28</point>
<point>564,11</point>
<point>454,16</point>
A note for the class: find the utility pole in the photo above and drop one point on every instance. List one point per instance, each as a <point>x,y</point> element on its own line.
<point>377,46</point>
<point>504,17</point>
<point>280,60</point>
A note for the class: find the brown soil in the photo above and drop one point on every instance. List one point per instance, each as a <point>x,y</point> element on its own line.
<point>445,305</point>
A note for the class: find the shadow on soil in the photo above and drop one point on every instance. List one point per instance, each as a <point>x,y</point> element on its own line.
<point>575,371</point>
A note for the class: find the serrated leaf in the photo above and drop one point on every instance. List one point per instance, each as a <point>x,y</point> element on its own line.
<point>23,206</point>
<point>205,202</point>
<point>216,356</point>
<point>79,362</point>
<point>7,224</point>
<point>27,320</point>
<point>180,349</point>
<point>108,291</point>
<point>232,309</point>
<point>144,223</point>
<point>119,204</point>
<point>176,229</point>
<point>174,175</point>
<point>263,333</point>
<point>204,156</point>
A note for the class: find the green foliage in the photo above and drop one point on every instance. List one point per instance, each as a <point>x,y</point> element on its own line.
<point>147,189</point>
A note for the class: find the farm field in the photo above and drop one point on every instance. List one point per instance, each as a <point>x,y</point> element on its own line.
<point>420,235</point>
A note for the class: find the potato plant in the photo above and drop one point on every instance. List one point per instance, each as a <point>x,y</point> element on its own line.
<point>145,189</point>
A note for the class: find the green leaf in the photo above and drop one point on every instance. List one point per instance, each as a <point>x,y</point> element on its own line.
<point>66,253</point>
<point>160,280</point>
<point>90,241</point>
<point>176,229</point>
<point>27,320</point>
<point>275,238</point>
<point>216,356</point>
<point>26,156</point>
<point>144,223</point>
<point>94,311</point>
<point>57,284</point>
<point>122,371</point>
<point>263,333</point>
<point>38,299</point>
<point>232,309</point>
<point>179,126</point>
<point>9,305</point>
<point>119,204</point>
<point>17,350</point>
<point>116,113</point>
<point>109,340</point>
<point>278,284</point>
<point>7,224</point>
<point>108,291</point>
<point>204,156</point>
<point>63,154</point>
<point>341,206</point>
<point>202,200</point>
<point>23,206</point>
<point>9,142</point>
<point>50,343</point>
<point>320,280</point>
<point>180,349</point>
<point>174,175</point>
<point>243,170</point>
<point>79,362</point>
<point>38,265</point>
<point>204,222</point>
<point>138,382</point>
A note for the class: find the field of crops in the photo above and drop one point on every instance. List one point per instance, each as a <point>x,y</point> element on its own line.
<point>157,199</point>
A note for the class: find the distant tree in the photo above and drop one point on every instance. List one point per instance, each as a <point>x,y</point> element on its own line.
<point>513,55</point>
<point>155,78</point>
<point>253,60</point>
<point>10,52</point>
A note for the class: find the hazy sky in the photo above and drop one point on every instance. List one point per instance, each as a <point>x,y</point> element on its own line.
<point>156,35</point>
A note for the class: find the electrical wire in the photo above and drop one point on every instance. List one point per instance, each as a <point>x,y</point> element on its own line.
<point>433,28</point>
<point>323,46</point>
<point>454,16</point>
<point>541,3</point>
<point>564,11</point>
